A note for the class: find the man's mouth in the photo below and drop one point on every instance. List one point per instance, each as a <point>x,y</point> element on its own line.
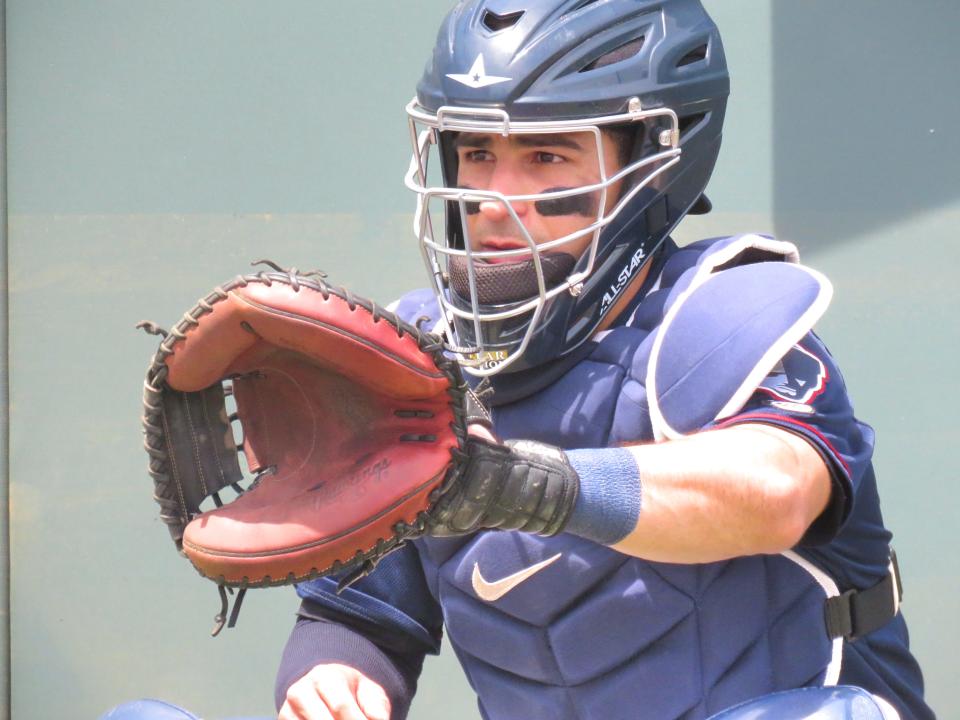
<point>500,245</point>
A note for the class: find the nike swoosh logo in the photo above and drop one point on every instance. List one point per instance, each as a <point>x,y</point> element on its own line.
<point>493,591</point>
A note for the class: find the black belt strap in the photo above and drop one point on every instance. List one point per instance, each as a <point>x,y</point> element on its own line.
<point>856,613</point>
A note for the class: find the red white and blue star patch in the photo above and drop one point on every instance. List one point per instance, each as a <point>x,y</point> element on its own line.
<point>795,381</point>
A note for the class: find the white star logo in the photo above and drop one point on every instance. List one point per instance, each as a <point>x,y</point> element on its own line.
<point>477,76</point>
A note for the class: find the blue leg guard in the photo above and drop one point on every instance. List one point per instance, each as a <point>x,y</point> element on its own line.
<point>843,702</point>
<point>156,710</point>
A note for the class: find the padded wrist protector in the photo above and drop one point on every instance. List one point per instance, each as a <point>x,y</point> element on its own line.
<point>520,485</point>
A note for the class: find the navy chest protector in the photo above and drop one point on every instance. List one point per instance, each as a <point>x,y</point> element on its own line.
<point>564,628</point>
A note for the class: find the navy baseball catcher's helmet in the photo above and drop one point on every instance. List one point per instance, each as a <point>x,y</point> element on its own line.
<point>649,76</point>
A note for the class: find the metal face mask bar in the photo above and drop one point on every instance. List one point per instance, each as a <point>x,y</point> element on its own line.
<point>486,357</point>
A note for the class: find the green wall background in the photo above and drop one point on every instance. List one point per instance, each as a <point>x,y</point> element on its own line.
<point>154,149</point>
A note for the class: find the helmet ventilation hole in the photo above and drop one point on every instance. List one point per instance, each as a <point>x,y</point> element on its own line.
<point>618,54</point>
<point>495,22</point>
<point>694,56</point>
<point>690,122</point>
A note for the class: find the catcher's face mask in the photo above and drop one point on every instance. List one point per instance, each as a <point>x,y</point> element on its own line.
<point>521,208</point>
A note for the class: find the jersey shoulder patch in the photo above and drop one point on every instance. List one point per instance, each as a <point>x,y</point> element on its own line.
<point>796,381</point>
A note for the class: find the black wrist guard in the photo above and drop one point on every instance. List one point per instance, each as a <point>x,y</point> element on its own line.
<point>521,485</point>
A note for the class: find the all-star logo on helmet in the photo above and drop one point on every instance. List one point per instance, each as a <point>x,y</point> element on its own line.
<point>477,76</point>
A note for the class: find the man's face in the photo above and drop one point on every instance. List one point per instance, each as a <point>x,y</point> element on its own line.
<point>526,165</point>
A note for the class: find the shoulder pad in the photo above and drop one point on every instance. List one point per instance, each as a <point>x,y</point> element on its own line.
<point>726,328</point>
<point>416,304</point>
<point>720,253</point>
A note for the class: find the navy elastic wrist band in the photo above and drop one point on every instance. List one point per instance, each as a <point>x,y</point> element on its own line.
<point>608,504</point>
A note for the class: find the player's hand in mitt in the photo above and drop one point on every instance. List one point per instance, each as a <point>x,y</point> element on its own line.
<point>350,420</point>
<point>519,485</point>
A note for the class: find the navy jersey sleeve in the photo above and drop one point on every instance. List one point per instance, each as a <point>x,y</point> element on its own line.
<point>805,394</point>
<point>383,625</point>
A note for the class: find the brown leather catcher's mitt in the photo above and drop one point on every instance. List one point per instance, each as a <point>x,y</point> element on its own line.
<point>350,418</point>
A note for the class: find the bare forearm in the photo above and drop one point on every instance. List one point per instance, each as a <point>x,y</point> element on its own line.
<point>743,490</point>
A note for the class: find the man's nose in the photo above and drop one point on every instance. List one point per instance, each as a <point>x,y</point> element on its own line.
<point>504,180</point>
<point>496,210</point>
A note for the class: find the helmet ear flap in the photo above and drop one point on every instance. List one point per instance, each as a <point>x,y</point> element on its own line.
<point>635,141</point>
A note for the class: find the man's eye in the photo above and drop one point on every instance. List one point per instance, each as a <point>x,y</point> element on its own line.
<point>549,157</point>
<point>477,156</point>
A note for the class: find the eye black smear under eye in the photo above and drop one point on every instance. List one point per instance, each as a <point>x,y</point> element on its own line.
<point>581,204</point>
